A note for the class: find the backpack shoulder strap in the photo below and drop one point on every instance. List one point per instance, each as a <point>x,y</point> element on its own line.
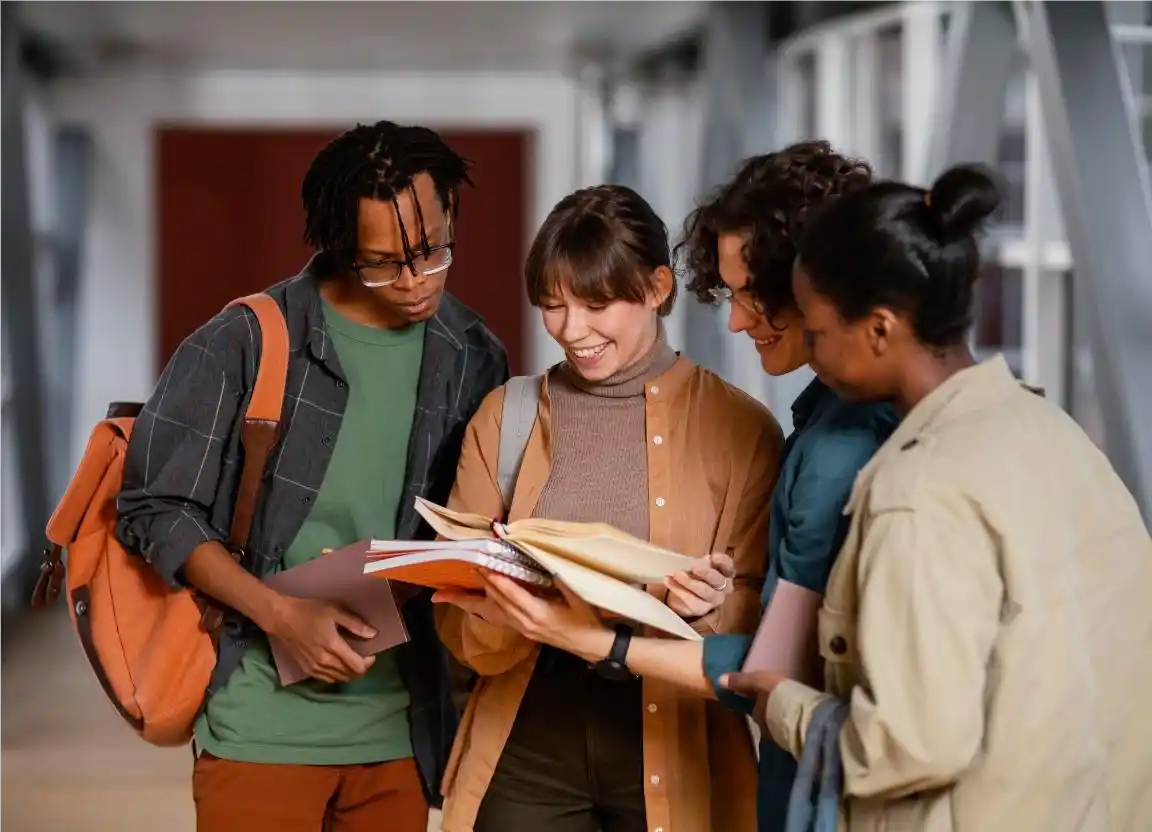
<point>521,400</point>
<point>262,418</point>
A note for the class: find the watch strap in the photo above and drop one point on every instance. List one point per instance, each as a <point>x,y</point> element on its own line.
<point>615,665</point>
<point>620,644</point>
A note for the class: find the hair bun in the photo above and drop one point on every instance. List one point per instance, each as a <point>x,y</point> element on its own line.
<point>961,199</point>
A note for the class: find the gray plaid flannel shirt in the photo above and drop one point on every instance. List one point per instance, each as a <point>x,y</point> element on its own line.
<point>183,465</point>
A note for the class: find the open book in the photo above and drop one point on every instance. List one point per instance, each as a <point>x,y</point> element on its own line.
<point>606,567</point>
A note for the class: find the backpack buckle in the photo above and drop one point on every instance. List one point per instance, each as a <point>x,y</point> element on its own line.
<point>50,580</point>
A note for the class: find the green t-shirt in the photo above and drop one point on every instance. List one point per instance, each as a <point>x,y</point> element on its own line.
<point>256,719</point>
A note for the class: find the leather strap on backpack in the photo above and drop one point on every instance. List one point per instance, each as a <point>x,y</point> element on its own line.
<point>262,419</point>
<point>261,422</point>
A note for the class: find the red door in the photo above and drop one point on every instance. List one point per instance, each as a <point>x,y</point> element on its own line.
<point>231,223</point>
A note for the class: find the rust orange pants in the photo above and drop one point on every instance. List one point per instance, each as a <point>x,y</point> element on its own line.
<point>255,797</point>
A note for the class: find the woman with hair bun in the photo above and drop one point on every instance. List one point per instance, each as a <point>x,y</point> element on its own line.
<point>987,631</point>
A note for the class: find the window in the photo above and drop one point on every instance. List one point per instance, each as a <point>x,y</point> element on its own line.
<point>11,523</point>
<point>1083,403</point>
<point>889,162</point>
<point>806,74</point>
<point>998,314</point>
<point>1012,155</point>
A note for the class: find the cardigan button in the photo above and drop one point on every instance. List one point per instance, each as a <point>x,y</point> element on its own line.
<point>838,645</point>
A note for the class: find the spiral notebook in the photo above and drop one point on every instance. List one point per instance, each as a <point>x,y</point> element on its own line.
<point>451,564</point>
<point>605,566</point>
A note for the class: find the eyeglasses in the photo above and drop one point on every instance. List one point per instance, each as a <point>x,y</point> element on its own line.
<point>386,272</point>
<point>722,294</point>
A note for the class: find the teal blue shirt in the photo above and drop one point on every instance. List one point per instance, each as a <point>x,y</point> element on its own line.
<point>831,441</point>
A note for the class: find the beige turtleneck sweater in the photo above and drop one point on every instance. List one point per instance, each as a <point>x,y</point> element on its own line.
<point>599,471</point>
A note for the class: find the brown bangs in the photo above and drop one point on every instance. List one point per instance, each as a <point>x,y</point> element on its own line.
<point>596,249</point>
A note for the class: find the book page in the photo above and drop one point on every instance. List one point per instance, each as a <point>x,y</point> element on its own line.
<point>597,546</point>
<point>608,593</point>
<point>454,525</point>
<point>601,547</point>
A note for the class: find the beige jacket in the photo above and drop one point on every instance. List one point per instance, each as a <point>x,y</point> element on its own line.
<point>713,456</point>
<point>989,620</point>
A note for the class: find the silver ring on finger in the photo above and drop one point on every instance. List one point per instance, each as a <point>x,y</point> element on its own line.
<point>722,586</point>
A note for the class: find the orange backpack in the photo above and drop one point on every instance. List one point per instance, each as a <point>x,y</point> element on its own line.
<point>153,648</point>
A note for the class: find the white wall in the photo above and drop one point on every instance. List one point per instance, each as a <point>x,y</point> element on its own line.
<point>37,137</point>
<point>118,300</point>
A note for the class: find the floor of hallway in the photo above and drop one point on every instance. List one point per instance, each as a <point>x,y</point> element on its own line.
<point>68,764</point>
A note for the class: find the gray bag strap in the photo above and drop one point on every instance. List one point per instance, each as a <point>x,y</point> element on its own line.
<point>521,400</point>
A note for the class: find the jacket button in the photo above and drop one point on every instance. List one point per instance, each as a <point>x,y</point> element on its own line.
<point>838,645</point>
<point>327,440</point>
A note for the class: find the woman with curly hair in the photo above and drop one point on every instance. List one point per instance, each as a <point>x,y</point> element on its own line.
<point>739,246</point>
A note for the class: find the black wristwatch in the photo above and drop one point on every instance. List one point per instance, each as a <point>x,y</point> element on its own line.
<point>615,666</point>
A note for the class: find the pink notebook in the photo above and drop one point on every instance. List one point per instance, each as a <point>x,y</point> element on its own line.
<point>787,640</point>
<point>339,577</point>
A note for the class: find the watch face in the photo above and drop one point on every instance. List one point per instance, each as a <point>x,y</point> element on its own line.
<point>614,670</point>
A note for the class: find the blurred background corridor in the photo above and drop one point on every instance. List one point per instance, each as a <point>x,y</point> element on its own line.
<point>152,158</point>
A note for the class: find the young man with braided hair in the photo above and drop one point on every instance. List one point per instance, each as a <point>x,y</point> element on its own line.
<point>385,370</point>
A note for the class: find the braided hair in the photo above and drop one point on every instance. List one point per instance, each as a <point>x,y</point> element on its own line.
<point>379,162</point>
<point>769,199</point>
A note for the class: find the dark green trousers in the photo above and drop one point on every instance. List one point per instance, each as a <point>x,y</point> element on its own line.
<point>575,759</point>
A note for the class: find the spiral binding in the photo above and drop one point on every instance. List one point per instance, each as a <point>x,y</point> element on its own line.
<point>517,571</point>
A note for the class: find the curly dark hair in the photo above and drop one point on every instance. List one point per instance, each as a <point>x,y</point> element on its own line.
<point>377,161</point>
<point>769,198</point>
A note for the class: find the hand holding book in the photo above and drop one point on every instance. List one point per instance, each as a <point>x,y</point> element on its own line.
<point>474,602</point>
<point>607,568</point>
<point>785,647</point>
<point>702,588</point>
<point>565,621</point>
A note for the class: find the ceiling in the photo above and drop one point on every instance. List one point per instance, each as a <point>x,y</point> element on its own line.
<point>395,35</point>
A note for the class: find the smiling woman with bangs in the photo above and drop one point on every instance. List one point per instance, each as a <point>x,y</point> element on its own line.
<point>629,433</point>
<point>597,304</point>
